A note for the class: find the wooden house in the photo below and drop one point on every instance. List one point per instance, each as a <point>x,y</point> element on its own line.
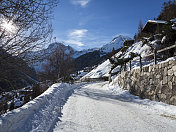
<point>153,25</point>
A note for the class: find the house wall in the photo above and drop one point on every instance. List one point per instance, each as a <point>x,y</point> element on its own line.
<point>157,82</point>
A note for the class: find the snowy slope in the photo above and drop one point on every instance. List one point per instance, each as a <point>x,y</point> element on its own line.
<point>104,68</point>
<point>101,71</point>
<point>116,43</point>
<point>38,114</point>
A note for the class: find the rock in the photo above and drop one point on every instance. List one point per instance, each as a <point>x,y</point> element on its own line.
<point>174,73</point>
<point>173,100</point>
<point>150,68</point>
<point>165,89</point>
<point>156,98</point>
<point>174,90</point>
<point>158,76</point>
<point>165,80</point>
<point>170,62</point>
<point>160,66</point>
<point>163,96</point>
<point>170,72</point>
<point>170,84</point>
<point>174,68</point>
<point>169,78</point>
<point>165,71</point>
<point>151,81</point>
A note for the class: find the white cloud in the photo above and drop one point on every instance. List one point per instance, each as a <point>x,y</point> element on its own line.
<point>79,33</point>
<point>76,36</point>
<point>82,3</point>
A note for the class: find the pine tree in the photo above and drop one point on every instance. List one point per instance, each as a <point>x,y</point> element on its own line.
<point>113,51</point>
<point>135,37</point>
<point>140,27</point>
<point>168,11</point>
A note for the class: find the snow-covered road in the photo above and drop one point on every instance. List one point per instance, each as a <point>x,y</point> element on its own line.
<point>94,108</point>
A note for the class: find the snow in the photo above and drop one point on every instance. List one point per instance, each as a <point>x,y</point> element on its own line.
<point>101,71</point>
<point>157,21</point>
<point>116,43</point>
<point>82,73</point>
<point>174,27</point>
<point>95,106</point>
<point>173,20</point>
<point>38,59</point>
<point>102,107</point>
<point>138,48</point>
<point>38,114</point>
<point>158,107</point>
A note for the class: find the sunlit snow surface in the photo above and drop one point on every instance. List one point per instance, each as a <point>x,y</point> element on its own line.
<point>105,108</point>
<point>95,106</point>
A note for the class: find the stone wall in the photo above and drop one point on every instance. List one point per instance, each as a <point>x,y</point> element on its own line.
<point>157,82</point>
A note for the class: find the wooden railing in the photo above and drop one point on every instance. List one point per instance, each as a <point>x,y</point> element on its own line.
<point>154,54</point>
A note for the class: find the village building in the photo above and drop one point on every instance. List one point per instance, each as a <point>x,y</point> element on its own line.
<point>153,25</point>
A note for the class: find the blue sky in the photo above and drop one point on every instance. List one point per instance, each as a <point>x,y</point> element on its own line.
<point>85,24</point>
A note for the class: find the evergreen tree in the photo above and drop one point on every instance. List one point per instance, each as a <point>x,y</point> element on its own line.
<point>140,27</point>
<point>168,11</point>
<point>135,37</point>
<point>113,51</point>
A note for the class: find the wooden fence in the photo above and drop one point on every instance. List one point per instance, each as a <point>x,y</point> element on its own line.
<point>154,54</point>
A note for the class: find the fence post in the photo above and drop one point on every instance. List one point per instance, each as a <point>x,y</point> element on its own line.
<point>130,65</point>
<point>125,66</point>
<point>140,62</point>
<point>155,59</point>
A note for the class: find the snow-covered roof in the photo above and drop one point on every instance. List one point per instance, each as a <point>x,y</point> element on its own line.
<point>157,21</point>
<point>151,25</point>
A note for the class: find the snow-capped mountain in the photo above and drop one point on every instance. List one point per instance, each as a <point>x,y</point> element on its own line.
<point>42,55</point>
<point>116,43</point>
<point>39,58</point>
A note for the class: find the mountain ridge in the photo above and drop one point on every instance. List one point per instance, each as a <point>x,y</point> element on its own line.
<point>43,54</point>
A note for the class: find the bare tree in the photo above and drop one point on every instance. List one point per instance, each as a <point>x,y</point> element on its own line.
<point>24,24</point>
<point>59,65</point>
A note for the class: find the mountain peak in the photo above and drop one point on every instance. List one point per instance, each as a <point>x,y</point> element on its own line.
<point>116,43</point>
<point>55,45</point>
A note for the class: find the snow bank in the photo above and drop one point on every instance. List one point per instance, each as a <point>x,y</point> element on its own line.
<point>38,114</point>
